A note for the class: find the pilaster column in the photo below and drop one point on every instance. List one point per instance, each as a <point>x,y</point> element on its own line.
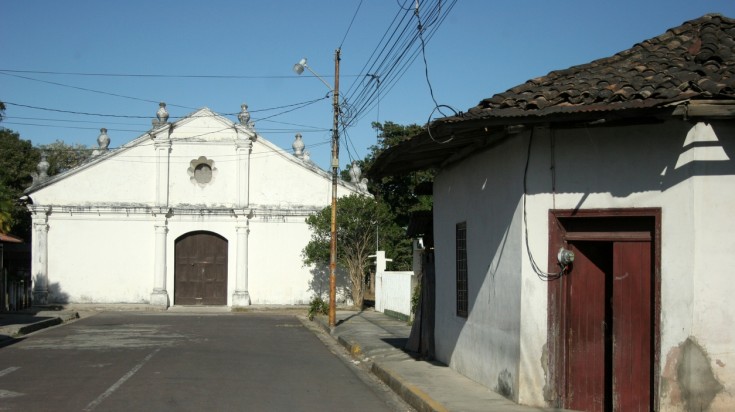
<point>162,146</point>
<point>39,264</point>
<point>159,297</point>
<point>241,297</point>
<point>243,172</point>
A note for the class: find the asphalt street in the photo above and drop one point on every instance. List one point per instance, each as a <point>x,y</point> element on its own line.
<point>138,361</point>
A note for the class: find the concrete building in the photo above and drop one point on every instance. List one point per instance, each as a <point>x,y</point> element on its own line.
<point>627,163</point>
<point>201,211</point>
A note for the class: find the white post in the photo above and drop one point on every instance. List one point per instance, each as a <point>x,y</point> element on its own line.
<point>381,263</point>
<point>39,264</point>
<point>159,296</point>
<point>241,296</point>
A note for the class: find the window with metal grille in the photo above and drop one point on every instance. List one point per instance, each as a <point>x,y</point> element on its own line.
<point>462,293</point>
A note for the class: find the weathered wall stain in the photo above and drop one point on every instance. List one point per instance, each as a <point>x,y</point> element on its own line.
<point>688,380</point>
<point>505,384</point>
<point>549,395</point>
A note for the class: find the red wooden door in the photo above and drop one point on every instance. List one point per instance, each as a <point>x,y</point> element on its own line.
<point>200,269</point>
<point>585,323</point>
<point>632,326</point>
<point>608,324</point>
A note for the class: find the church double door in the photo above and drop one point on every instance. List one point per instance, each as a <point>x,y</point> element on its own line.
<point>200,269</point>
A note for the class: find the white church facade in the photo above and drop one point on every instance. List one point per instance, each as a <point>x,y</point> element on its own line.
<point>201,211</point>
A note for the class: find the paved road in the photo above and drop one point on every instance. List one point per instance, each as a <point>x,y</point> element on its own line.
<point>135,361</point>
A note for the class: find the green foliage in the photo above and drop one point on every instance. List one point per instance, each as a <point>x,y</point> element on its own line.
<point>358,217</point>
<point>62,156</point>
<point>398,192</point>
<point>6,213</point>
<point>317,306</point>
<point>382,220</point>
<point>18,158</point>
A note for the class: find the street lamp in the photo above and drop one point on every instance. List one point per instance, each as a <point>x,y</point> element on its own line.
<point>299,68</point>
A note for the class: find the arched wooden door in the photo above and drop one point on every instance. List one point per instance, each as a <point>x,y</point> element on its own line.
<point>200,273</point>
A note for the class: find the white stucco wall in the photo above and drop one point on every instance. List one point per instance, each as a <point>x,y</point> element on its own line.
<point>89,259</point>
<point>279,280</point>
<point>122,179</point>
<point>102,217</point>
<point>501,342</point>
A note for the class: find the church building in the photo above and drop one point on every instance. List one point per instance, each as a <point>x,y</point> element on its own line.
<point>200,211</point>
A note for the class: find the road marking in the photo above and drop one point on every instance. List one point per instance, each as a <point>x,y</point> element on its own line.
<point>120,382</point>
<point>9,394</point>
<point>8,370</point>
<point>6,393</point>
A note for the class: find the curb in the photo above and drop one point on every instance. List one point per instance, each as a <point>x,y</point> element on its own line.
<point>354,348</point>
<point>414,396</point>
<point>46,323</point>
<point>16,332</point>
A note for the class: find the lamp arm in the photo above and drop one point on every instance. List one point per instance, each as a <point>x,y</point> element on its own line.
<point>319,77</point>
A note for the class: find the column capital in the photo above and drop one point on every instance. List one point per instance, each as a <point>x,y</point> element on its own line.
<point>39,212</point>
<point>242,224</point>
<point>243,144</point>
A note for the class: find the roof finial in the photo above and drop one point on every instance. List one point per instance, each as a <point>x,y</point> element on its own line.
<point>298,146</point>
<point>103,141</point>
<point>161,115</point>
<point>244,117</point>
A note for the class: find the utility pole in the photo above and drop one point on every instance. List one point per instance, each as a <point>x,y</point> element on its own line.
<point>335,167</point>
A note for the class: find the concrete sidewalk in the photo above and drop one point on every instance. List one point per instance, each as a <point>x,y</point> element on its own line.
<point>427,386</point>
<point>16,324</point>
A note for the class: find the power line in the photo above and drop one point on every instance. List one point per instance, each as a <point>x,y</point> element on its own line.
<point>155,75</point>
<point>141,131</point>
<point>369,101</point>
<point>171,76</point>
<point>294,106</point>
<point>91,90</point>
<point>350,26</point>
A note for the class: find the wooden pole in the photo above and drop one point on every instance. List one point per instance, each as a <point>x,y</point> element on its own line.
<point>335,167</point>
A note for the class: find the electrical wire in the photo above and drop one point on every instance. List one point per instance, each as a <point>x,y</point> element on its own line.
<point>395,53</point>
<point>90,90</point>
<point>350,26</point>
<point>294,106</point>
<point>543,275</point>
<point>170,76</point>
<point>141,131</point>
<point>423,55</point>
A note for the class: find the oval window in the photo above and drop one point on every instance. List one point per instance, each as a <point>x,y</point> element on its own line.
<point>203,173</point>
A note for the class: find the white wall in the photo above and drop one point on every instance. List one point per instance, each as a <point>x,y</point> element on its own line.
<point>90,259</point>
<point>101,238</point>
<point>503,338</point>
<point>393,291</point>
<point>122,178</point>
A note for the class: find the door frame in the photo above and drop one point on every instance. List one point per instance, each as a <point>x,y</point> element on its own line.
<point>562,228</point>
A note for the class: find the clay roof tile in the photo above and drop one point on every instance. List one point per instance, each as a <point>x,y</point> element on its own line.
<point>696,59</point>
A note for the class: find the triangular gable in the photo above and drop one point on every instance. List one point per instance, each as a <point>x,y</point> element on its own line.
<point>203,125</point>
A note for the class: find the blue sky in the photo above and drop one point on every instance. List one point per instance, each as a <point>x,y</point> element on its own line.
<point>481,48</point>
